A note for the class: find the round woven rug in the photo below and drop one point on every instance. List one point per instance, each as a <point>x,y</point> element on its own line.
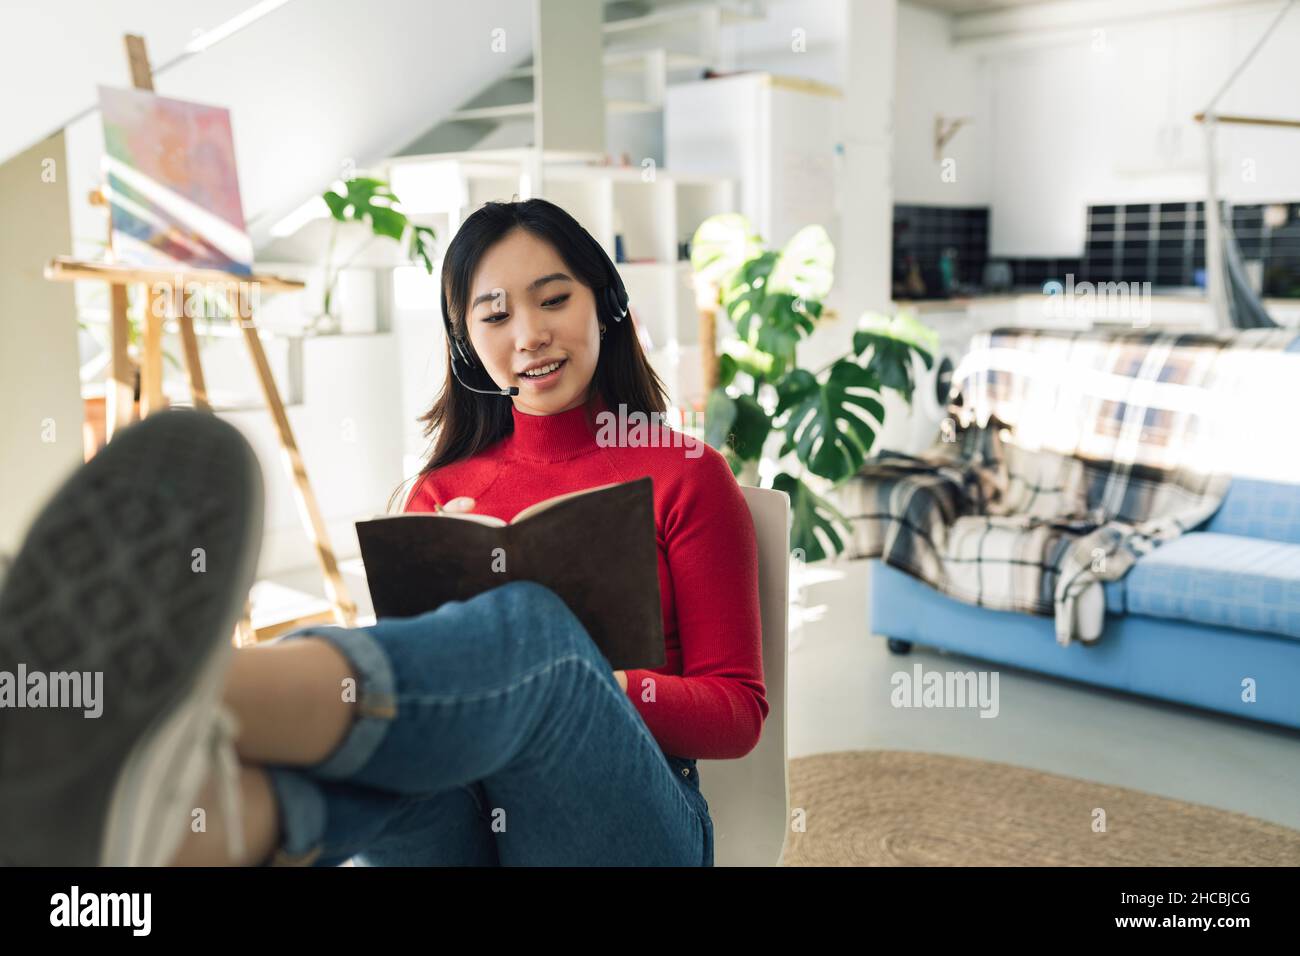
<point>897,808</point>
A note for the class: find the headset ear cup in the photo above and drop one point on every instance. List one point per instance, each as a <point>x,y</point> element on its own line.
<point>458,354</point>
<point>613,305</point>
<point>463,354</point>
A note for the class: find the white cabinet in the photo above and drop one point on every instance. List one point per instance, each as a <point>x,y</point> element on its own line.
<point>776,136</point>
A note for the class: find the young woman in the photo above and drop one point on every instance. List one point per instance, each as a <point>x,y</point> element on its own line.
<point>490,731</point>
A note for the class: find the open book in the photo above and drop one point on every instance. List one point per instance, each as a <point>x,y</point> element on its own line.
<point>594,548</point>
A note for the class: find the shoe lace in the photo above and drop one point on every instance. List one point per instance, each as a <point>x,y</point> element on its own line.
<point>211,759</point>
<point>224,764</point>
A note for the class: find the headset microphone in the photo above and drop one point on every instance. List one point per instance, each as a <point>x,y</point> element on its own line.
<point>512,390</point>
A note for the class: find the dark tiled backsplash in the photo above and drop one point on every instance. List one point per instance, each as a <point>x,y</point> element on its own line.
<point>1034,272</point>
<point>922,233</point>
<point>1164,243</point>
<point>1160,243</point>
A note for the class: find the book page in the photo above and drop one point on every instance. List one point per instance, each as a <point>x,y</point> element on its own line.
<point>549,502</point>
<point>468,516</point>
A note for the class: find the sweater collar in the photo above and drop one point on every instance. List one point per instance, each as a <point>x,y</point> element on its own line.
<point>555,437</point>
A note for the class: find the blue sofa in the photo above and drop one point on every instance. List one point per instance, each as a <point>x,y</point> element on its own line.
<point>1189,623</point>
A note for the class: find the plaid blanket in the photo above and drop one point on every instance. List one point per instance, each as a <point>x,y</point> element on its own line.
<point>1066,456</point>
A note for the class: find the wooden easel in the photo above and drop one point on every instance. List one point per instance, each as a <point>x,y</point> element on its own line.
<point>164,287</point>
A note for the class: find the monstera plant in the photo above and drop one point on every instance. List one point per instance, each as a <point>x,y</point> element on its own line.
<point>365,199</point>
<point>826,421</point>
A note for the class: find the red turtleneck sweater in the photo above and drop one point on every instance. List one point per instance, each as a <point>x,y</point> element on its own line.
<point>708,698</point>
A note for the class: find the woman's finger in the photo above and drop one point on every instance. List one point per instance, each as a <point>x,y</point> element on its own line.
<point>459,504</point>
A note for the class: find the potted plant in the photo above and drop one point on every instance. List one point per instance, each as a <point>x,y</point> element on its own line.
<point>365,199</point>
<point>826,420</point>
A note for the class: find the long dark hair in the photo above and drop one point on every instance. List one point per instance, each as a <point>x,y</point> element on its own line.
<point>466,422</point>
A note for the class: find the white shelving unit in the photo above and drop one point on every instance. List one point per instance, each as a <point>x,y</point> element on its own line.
<point>593,85</point>
<point>651,214</point>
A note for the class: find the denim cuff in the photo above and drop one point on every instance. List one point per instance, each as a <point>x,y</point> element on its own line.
<point>302,818</point>
<point>376,699</point>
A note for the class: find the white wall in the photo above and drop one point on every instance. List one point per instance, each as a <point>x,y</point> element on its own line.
<point>1045,144</point>
<point>770,44</point>
<point>866,195</point>
<point>40,430</point>
<point>932,79</point>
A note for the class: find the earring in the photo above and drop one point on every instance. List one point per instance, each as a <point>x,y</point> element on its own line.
<point>602,330</point>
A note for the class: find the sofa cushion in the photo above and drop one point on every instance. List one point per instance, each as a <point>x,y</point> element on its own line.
<point>1259,509</point>
<point>1115,593</point>
<point>1220,579</point>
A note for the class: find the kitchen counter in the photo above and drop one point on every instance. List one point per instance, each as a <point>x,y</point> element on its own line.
<point>1169,307</point>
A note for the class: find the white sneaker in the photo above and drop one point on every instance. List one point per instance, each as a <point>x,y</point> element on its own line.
<point>132,577</point>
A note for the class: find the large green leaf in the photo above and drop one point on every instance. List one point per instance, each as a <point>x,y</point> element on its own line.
<point>791,391</point>
<point>743,293</point>
<point>743,357</point>
<point>804,312</point>
<point>773,298</point>
<point>809,513</point>
<point>358,198</point>
<point>750,429</point>
<point>421,246</point>
<point>365,199</point>
<point>719,413</point>
<point>826,426</point>
<point>794,388</point>
<point>806,266</point>
<point>739,423</point>
<point>769,322</point>
<point>386,222</point>
<point>721,245</point>
<point>779,338</point>
<point>892,342</point>
<point>338,205</point>
<point>728,366</point>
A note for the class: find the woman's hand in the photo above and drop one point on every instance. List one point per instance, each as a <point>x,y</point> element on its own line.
<point>621,677</point>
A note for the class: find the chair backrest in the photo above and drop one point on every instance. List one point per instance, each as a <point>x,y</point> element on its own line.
<point>749,797</point>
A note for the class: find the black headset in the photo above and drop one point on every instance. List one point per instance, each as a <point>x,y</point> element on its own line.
<point>614,296</point>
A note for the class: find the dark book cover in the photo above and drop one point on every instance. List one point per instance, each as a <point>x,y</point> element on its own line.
<point>594,548</point>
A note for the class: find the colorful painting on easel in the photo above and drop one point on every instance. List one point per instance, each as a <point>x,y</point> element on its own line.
<point>172,184</point>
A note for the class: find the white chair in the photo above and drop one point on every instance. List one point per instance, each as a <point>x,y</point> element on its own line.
<point>749,798</point>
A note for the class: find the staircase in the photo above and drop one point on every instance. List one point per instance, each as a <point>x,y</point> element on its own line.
<point>596,80</point>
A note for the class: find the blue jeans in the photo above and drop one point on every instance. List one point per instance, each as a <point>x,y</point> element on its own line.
<point>490,732</point>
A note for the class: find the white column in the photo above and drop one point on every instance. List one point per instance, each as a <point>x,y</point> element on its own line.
<point>863,246</point>
<point>40,428</point>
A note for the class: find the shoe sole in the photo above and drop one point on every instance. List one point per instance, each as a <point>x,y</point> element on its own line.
<point>107,581</point>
